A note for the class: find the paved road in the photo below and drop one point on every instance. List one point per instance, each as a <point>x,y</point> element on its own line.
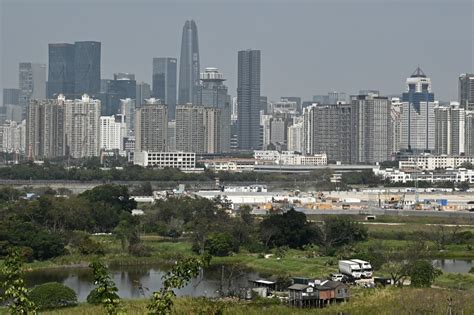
<point>378,212</point>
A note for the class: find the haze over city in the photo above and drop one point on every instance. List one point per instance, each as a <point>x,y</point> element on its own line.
<point>308,47</point>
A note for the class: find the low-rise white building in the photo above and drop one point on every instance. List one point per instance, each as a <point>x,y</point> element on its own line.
<point>450,175</point>
<point>432,162</point>
<point>181,160</point>
<point>230,165</point>
<point>289,158</point>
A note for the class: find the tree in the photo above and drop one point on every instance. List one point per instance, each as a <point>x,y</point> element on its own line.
<point>467,165</point>
<point>339,231</point>
<point>16,295</point>
<point>422,273</point>
<point>128,231</point>
<point>105,291</point>
<point>290,228</point>
<point>463,186</point>
<point>181,273</point>
<point>219,244</point>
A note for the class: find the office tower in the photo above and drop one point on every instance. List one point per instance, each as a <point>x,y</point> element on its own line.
<point>87,68</point>
<point>327,129</point>
<point>278,132</point>
<point>124,76</point>
<point>128,109</point>
<point>172,135</point>
<point>284,106</point>
<point>466,91</point>
<point>417,121</point>
<point>295,99</point>
<point>264,104</point>
<point>248,99</point>
<point>197,129</point>
<point>112,132</point>
<point>164,82</point>
<point>11,96</point>
<point>469,133</point>
<point>213,93</point>
<point>189,64</point>
<point>265,130</point>
<point>121,87</point>
<point>11,112</point>
<point>449,129</point>
<point>295,137</point>
<point>45,129</point>
<point>395,119</point>
<point>60,70</point>
<point>143,93</point>
<point>32,82</point>
<point>331,98</point>
<point>82,125</point>
<point>151,127</point>
<point>371,128</point>
<point>104,85</point>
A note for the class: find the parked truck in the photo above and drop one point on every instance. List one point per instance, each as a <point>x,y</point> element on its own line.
<point>366,268</point>
<point>350,268</point>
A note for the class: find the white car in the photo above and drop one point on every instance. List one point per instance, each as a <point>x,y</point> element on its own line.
<point>336,276</point>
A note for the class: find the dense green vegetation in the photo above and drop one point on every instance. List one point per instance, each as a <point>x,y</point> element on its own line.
<point>52,295</point>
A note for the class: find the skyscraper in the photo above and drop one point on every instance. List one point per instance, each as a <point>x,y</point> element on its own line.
<point>197,129</point>
<point>213,93</point>
<point>327,129</point>
<point>60,70</point>
<point>449,129</point>
<point>248,99</point>
<point>11,96</point>
<point>164,82</point>
<point>120,87</point>
<point>189,64</point>
<point>417,118</point>
<point>45,129</point>
<point>143,93</point>
<point>466,91</point>
<point>82,126</point>
<point>371,128</point>
<point>87,68</point>
<point>151,127</point>
<point>32,82</point>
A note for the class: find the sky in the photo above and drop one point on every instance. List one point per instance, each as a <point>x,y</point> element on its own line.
<point>307,47</point>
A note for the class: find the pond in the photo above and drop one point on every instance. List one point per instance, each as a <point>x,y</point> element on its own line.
<point>453,265</point>
<point>139,282</point>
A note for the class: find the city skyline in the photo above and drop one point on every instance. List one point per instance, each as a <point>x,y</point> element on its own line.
<point>315,69</point>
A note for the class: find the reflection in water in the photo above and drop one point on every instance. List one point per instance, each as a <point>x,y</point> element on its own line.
<point>453,265</point>
<point>137,282</point>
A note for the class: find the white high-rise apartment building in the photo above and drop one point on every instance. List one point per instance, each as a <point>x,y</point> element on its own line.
<point>112,131</point>
<point>450,129</point>
<point>13,136</point>
<point>395,120</point>
<point>128,108</point>
<point>295,137</point>
<point>82,122</point>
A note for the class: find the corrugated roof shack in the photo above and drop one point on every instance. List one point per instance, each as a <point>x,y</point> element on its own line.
<point>319,295</point>
<point>302,295</point>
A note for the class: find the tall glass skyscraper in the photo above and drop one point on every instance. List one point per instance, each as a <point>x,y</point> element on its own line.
<point>164,82</point>
<point>213,93</point>
<point>60,70</point>
<point>248,99</point>
<point>189,64</point>
<point>74,69</point>
<point>86,68</point>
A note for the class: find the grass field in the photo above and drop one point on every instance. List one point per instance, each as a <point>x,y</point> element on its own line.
<point>372,301</point>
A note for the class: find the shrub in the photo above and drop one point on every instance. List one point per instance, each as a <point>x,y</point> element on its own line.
<point>90,247</point>
<point>53,295</point>
<point>95,298</point>
<point>139,250</point>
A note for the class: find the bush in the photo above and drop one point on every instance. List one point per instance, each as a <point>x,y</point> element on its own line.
<point>94,297</point>
<point>90,247</point>
<point>139,250</point>
<point>53,295</point>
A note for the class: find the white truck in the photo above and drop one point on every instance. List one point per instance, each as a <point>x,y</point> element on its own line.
<point>350,268</point>
<point>365,267</point>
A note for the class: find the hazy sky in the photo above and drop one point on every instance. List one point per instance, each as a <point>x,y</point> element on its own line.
<point>308,47</point>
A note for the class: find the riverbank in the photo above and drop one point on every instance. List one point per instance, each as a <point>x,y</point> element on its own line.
<point>368,301</point>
